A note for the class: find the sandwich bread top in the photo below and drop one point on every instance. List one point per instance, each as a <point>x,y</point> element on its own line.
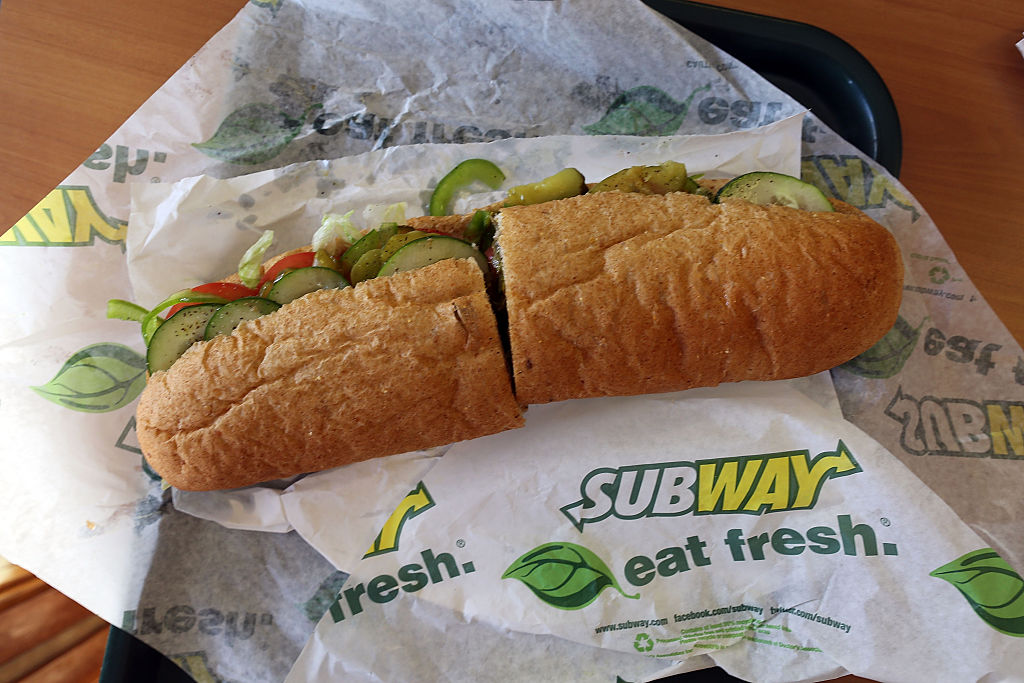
<point>616,293</point>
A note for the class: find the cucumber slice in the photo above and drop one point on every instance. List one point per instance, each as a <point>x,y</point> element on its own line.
<point>176,334</point>
<point>302,281</point>
<point>765,187</point>
<point>428,250</point>
<point>374,239</point>
<point>234,313</point>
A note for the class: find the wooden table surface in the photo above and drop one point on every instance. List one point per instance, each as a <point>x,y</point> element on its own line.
<point>71,71</point>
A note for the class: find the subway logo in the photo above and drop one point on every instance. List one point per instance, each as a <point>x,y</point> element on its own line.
<point>959,427</point>
<point>749,484</point>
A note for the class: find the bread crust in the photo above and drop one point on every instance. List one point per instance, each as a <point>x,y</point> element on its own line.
<point>392,365</point>
<point>617,294</point>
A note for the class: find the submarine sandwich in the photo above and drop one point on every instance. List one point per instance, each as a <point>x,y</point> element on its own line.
<point>646,282</point>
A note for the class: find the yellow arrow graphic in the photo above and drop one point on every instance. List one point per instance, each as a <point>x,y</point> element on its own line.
<point>417,501</point>
<point>196,665</point>
<point>826,466</point>
<point>844,462</point>
<point>67,216</point>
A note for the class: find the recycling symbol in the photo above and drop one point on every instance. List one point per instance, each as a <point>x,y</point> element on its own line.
<point>938,274</point>
<point>643,643</point>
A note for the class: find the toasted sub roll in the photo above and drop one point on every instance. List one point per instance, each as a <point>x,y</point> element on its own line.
<point>392,365</point>
<point>617,294</point>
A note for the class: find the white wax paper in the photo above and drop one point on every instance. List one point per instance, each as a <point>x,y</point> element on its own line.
<point>574,526</point>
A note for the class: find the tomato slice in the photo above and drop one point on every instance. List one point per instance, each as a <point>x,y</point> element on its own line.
<point>226,290</point>
<point>229,291</point>
<point>304,259</point>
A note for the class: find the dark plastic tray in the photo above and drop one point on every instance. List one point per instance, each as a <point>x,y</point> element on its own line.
<point>815,67</point>
<point>129,660</point>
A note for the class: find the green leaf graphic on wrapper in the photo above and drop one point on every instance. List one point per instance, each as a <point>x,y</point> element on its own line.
<point>991,587</point>
<point>564,575</point>
<point>889,354</point>
<point>272,5</point>
<point>251,134</point>
<point>97,379</point>
<point>644,110</point>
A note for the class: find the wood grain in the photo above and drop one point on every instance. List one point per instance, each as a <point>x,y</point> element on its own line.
<point>16,592</point>
<point>72,71</point>
<point>81,664</point>
<point>44,635</point>
<point>57,655</point>
<point>36,620</point>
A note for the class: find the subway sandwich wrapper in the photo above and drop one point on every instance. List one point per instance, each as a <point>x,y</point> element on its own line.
<point>736,526</point>
<point>235,586</point>
<point>744,525</point>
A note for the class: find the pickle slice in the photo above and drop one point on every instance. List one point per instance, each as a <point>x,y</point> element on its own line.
<point>667,177</point>
<point>375,239</point>
<point>367,267</point>
<point>568,182</point>
<point>399,241</point>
